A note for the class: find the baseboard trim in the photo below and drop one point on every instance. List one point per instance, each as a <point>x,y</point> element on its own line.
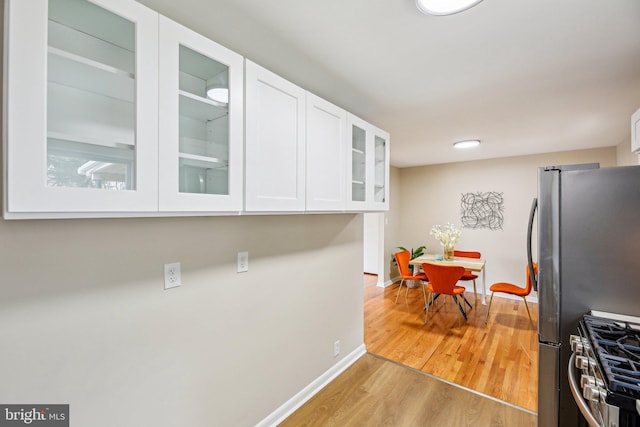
<point>290,406</point>
<point>388,282</point>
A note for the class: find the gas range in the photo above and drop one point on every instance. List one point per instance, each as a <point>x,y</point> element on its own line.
<point>606,355</point>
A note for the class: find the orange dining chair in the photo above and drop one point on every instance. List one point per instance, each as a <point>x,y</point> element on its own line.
<point>469,275</point>
<point>511,289</point>
<point>442,281</point>
<point>402,259</point>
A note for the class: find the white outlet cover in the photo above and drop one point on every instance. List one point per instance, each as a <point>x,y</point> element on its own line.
<point>172,277</point>
<point>243,262</point>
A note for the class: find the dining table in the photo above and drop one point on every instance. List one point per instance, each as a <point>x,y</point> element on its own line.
<point>476,265</point>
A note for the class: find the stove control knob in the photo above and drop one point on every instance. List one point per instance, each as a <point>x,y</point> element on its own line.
<point>577,348</point>
<point>586,380</point>
<point>576,344</point>
<point>585,363</point>
<point>593,393</point>
<point>579,345</point>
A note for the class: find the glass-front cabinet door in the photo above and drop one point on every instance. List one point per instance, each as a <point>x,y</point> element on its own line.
<point>358,164</point>
<point>380,169</point>
<point>368,189</point>
<point>201,122</point>
<point>81,112</point>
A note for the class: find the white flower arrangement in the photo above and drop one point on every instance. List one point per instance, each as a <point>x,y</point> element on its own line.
<point>448,235</point>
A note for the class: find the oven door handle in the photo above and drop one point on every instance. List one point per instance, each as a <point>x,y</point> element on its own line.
<point>577,396</point>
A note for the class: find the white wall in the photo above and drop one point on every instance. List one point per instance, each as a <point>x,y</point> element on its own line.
<point>371,242</point>
<point>84,318</point>
<point>392,220</point>
<point>430,195</point>
<point>624,156</point>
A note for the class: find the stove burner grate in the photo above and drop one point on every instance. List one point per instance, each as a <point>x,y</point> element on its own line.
<point>617,346</point>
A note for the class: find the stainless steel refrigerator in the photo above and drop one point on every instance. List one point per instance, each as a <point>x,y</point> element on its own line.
<point>588,256</point>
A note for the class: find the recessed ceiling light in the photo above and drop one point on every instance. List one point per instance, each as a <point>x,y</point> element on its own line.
<point>445,7</point>
<point>469,143</point>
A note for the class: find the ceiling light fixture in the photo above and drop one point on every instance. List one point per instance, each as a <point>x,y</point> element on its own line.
<point>469,143</point>
<point>445,7</point>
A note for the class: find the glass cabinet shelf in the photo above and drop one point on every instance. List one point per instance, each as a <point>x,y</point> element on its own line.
<point>202,161</point>
<point>61,53</point>
<point>59,136</point>
<point>87,116</point>
<point>71,70</point>
<point>65,33</point>
<point>200,108</point>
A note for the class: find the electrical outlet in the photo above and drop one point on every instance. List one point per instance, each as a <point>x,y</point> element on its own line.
<point>336,348</point>
<point>172,278</point>
<point>243,262</point>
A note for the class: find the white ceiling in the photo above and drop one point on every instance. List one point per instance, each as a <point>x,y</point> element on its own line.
<point>524,76</point>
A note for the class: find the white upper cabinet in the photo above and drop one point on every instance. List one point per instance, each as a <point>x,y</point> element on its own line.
<point>201,122</point>
<point>274,142</point>
<point>326,156</point>
<point>111,109</point>
<point>81,107</point>
<point>368,157</point>
<point>635,132</point>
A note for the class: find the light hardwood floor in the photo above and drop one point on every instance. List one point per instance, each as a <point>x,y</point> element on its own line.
<point>378,392</point>
<point>433,374</point>
<point>499,359</point>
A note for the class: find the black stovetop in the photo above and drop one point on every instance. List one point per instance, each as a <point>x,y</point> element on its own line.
<point>616,346</point>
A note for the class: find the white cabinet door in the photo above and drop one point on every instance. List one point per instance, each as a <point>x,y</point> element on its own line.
<point>358,156</point>
<point>326,153</point>
<point>368,158</point>
<point>635,132</point>
<point>380,182</point>
<point>201,122</point>
<point>81,111</point>
<point>274,142</point>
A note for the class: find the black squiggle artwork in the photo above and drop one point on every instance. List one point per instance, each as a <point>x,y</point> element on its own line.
<point>482,210</point>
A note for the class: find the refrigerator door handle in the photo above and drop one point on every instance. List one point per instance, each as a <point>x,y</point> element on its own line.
<point>532,275</point>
